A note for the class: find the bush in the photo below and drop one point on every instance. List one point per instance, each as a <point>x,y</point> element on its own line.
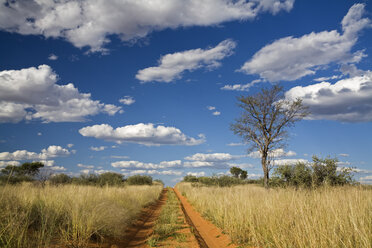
<point>111,179</point>
<point>60,179</point>
<point>320,172</point>
<point>90,179</point>
<point>139,180</point>
<point>25,172</point>
<point>221,181</point>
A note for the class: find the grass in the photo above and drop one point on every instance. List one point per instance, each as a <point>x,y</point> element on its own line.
<point>253,216</point>
<point>68,215</point>
<point>169,222</point>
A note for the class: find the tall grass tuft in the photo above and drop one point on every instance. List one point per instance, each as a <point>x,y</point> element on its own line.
<point>325,217</point>
<point>70,215</point>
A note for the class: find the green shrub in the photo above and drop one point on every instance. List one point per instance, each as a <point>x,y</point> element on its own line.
<point>111,179</point>
<point>139,180</point>
<point>60,179</point>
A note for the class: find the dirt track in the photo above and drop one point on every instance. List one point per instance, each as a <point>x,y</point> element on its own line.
<point>206,234</point>
<point>137,234</point>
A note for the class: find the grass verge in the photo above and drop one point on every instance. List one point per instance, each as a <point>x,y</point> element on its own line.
<point>253,216</point>
<point>69,215</point>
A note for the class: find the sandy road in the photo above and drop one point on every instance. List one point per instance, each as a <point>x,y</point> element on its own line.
<point>207,234</point>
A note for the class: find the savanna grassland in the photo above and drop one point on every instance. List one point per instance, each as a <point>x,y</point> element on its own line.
<point>287,217</point>
<point>68,215</point>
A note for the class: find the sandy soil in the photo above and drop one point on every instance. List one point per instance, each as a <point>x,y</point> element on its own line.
<point>207,234</point>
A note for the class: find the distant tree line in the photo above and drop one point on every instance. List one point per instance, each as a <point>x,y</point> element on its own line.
<point>321,172</point>
<point>318,173</point>
<point>33,172</point>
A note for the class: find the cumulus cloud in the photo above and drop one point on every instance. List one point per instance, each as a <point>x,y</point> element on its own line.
<point>216,113</point>
<point>50,152</point>
<point>240,87</point>
<point>32,93</point>
<point>344,155</point>
<point>211,108</point>
<point>53,57</point>
<point>291,58</point>
<point>140,165</point>
<point>85,166</point>
<point>127,100</point>
<point>211,157</point>
<point>146,134</point>
<point>216,160</point>
<point>277,153</point>
<point>5,163</point>
<point>196,174</point>
<point>321,79</point>
<point>348,100</point>
<point>171,66</point>
<point>153,172</point>
<point>58,168</point>
<point>235,144</point>
<point>198,164</point>
<point>97,149</point>
<point>89,23</point>
<point>289,161</point>
<point>70,145</point>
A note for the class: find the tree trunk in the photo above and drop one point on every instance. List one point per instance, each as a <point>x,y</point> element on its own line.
<point>265,170</point>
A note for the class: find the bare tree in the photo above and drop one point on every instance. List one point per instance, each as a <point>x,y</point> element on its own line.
<point>264,122</point>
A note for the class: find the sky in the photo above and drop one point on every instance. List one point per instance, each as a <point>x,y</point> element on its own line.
<point>151,87</point>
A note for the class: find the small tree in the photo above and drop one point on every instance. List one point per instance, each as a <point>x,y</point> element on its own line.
<point>264,121</point>
<point>235,171</point>
<point>243,175</point>
<point>110,178</point>
<point>139,180</point>
<point>25,172</point>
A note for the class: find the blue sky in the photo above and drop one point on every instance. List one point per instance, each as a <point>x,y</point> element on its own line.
<point>150,87</point>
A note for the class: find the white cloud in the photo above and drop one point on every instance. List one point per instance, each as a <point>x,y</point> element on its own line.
<point>89,23</point>
<point>53,57</point>
<point>39,134</point>
<point>140,165</point>
<point>211,108</point>
<point>58,168</point>
<point>246,165</point>
<point>216,113</point>
<point>347,100</point>
<point>85,171</point>
<point>47,162</point>
<point>343,154</point>
<point>5,163</point>
<point>50,152</point>
<point>366,178</point>
<point>277,153</point>
<point>70,145</point>
<point>291,58</point>
<point>146,134</point>
<point>289,161</point>
<point>119,156</point>
<point>241,87</point>
<point>196,174</point>
<point>171,66</point>
<point>32,93</point>
<point>321,79</point>
<point>97,149</point>
<point>235,144</point>
<point>127,100</point>
<point>153,172</point>
<point>198,164</point>
<point>211,157</point>
<point>85,166</point>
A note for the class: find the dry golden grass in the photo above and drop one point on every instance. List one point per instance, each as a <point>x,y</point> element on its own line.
<point>253,216</point>
<point>70,215</point>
